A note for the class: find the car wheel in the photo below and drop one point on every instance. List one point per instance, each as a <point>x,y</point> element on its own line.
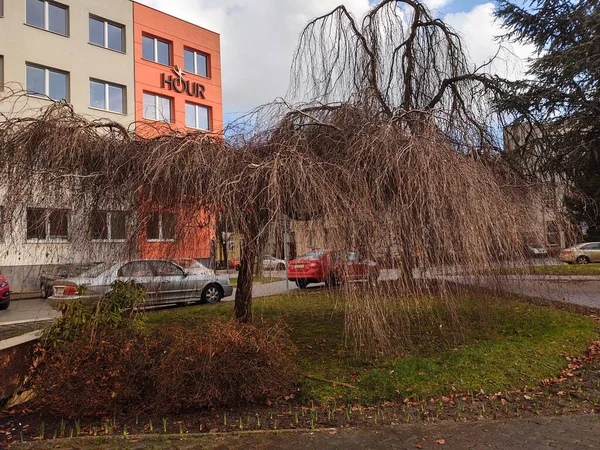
<point>332,280</point>
<point>280,267</point>
<point>301,283</point>
<point>212,294</point>
<point>583,260</point>
<point>5,305</point>
<point>237,267</point>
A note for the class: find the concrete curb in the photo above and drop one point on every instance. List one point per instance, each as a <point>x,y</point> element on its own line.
<point>18,340</point>
<point>116,440</point>
<point>16,296</point>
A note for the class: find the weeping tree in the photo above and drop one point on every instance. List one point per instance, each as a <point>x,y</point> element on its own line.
<point>387,142</point>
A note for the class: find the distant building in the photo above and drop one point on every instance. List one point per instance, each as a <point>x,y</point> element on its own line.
<point>548,193</point>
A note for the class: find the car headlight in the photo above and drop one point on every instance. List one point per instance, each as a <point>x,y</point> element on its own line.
<point>3,284</point>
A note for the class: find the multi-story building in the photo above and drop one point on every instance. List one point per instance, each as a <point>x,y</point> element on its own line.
<point>114,59</point>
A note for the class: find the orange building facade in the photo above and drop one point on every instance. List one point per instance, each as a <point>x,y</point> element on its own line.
<point>177,88</point>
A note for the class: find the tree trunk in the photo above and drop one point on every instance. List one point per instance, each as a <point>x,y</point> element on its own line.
<point>243,294</point>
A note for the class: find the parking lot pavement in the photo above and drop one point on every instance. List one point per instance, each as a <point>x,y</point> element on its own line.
<point>577,291</point>
<point>31,310</point>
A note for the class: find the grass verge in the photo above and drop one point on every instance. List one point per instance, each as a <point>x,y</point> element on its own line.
<point>561,269</point>
<point>501,344</point>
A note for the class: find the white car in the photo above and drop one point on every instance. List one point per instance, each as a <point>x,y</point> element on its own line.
<point>272,263</point>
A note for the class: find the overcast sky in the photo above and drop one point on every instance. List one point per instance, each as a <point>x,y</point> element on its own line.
<point>258,38</point>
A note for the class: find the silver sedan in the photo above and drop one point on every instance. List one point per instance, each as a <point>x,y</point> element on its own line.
<point>165,283</point>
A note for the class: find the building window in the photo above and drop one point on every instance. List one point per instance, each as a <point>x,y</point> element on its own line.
<point>157,108</point>
<point>48,15</point>
<point>161,227</point>
<point>47,224</point>
<point>48,82</point>
<point>1,71</point>
<point>195,62</point>
<point>197,116</point>
<point>1,8</point>
<point>107,34</point>
<point>156,50</point>
<point>107,96</point>
<point>109,225</point>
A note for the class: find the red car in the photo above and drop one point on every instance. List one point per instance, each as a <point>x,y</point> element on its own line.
<point>4,293</point>
<point>331,267</point>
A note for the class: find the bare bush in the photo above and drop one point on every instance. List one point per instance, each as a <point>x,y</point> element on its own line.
<point>229,364</point>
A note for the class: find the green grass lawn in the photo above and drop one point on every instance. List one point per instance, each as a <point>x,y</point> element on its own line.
<point>562,269</point>
<point>502,344</point>
<point>258,280</point>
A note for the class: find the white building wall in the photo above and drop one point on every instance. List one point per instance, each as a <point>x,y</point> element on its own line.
<point>22,260</point>
<point>21,43</point>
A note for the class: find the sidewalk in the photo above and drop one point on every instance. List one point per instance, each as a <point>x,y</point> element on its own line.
<point>559,432</point>
<point>27,310</point>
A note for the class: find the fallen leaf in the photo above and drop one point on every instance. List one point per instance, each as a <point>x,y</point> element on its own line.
<point>440,441</point>
<point>527,397</point>
<point>420,445</point>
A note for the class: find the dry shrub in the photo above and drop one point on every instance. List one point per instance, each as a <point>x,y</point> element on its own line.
<point>166,371</point>
<point>228,364</point>
<point>79,378</point>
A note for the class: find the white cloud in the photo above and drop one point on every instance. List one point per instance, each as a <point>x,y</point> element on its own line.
<point>258,38</point>
<point>479,29</point>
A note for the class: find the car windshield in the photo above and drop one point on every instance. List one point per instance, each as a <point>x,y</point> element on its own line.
<point>540,246</point>
<point>95,271</point>
<point>315,254</point>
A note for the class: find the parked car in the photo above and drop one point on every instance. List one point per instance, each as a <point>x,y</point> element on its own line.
<point>61,272</point>
<point>331,267</point>
<point>4,292</point>
<point>536,251</point>
<point>585,253</point>
<point>269,263</point>
<point>165,283</point>
<point>272,263</point>
<point>192,265</point>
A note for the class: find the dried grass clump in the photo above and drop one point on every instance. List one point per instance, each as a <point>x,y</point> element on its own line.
<point>78,379</point>
<point>229,364</point>
<point>165,371</point>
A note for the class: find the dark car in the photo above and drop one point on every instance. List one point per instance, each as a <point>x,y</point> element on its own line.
<point>61,272</point>
<point>4,293</point>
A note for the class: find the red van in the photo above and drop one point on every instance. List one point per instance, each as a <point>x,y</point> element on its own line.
<point>331,267</point>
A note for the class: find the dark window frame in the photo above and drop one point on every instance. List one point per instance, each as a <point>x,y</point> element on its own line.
<point>47,71</point>
<point>208,62</point>
<point>107,85</point>
<point>108,225</point>
<point>156,96</point>
<point>41,228</point>
<point>106,23</point>
<point>156,40</point>
<point>46,26</point>
<point>209,119</point>
<point>160,216</point>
